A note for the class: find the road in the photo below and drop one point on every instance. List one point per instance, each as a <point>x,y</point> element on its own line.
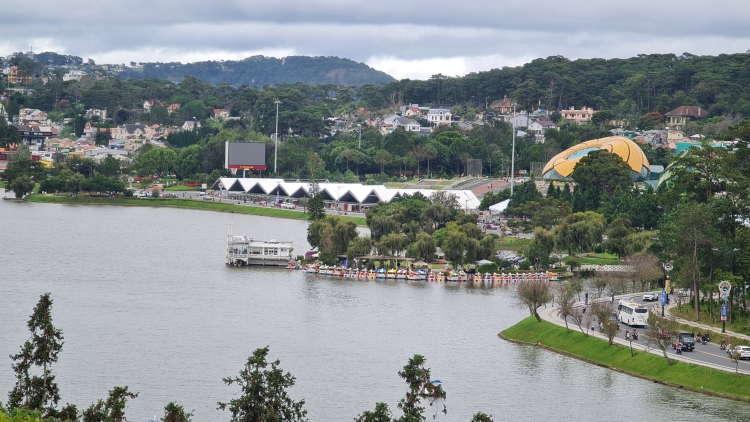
<point>708,355</point>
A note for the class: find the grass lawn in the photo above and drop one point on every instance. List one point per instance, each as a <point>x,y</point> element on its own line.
<point>394,185</point>
<point>185,204</point>
<point>2,185</point>
<point>510,243</point>
<point>646,365</point>
<point>598,258</point>
<point>179,188</point>
<point>737,325</point>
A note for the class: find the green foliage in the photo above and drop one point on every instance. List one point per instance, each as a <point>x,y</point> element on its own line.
<point>645,365</point>
<point>111,410</point>
<point>263,392</point>
<point>260,71</point>
<point>580,231</point>
<point>41,350</point>
<point>21,186</point>
<point>599,172</point>
<point>156,161</point>
<point>523,193</point>
<point>174,412</point>
<point>331,234</point>
<point>491,198</point>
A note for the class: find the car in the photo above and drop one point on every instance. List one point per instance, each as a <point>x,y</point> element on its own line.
<point>288,205</point>
<point>743,352</point>
<point>687,341</point>
<point>625,299</point>
<point>650,296</point>
<point>207,198</point>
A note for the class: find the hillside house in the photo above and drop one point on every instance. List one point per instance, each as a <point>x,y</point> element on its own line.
<point>679,117</point>
<point>191,124</point>
<point>579,116</point>
<point>439,116</point>
<point>172,108</point>
<point>504,106</point>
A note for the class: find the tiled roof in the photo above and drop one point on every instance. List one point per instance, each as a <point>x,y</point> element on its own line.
<point>689,111</point>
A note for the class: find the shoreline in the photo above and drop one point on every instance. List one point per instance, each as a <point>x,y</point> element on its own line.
<point>679,375</point>
<point>192,204</point>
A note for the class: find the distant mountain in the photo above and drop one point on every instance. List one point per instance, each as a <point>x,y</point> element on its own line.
<point>260,70</point>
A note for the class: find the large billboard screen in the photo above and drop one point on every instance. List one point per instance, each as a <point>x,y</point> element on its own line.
<point>245,155</point>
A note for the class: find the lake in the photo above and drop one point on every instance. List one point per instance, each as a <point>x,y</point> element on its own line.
<point>145,300</point>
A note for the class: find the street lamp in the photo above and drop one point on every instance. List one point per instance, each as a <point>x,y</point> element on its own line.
<point>276,141</point>
<point>359,126</point>
<point>513,152</point>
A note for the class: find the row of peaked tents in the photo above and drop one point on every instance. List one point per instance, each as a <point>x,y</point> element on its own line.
<point>355,194</point>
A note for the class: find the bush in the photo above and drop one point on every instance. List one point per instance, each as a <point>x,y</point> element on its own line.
<point>128,193</point>
<point>524,265</point>
<point>488,268</point>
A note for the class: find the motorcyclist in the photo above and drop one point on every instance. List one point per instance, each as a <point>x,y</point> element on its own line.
<point>678,348</point>
<point>635,334</point>
<point>723,344</point>
<point>627,335</point>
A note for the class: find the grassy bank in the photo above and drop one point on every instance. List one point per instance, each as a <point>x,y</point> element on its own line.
<point>2,185</point>
<point>184,204</point>
<point>644,365</point>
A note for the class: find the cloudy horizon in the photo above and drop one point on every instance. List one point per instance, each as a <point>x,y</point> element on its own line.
<point>414,40</point>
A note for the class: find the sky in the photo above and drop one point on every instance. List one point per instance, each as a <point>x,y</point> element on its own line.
<point>414,39</point>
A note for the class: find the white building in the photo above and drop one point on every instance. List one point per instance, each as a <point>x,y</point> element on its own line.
<point>439,116</point>
<point>74,75</point>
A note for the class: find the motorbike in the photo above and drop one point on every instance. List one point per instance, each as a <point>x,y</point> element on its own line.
<point>722,346</point>
<point>627,335</point>
<point>679,350</point>
<point>635,336</point>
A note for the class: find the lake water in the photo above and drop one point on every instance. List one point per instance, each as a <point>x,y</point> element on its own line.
<point>145,300</point>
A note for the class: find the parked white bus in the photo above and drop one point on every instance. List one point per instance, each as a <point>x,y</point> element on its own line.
<point>632,314</point>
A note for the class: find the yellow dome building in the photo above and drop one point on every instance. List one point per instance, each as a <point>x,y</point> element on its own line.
<point>561,166</point>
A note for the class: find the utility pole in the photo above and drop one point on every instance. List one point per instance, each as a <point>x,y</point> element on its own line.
<point>276,141</point>
<point>513,151</point>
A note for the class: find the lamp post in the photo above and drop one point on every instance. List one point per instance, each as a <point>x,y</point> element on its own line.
<point>724,288</point>
<point>359,126</point>
<point>513,152</point>
<point>276,141</point>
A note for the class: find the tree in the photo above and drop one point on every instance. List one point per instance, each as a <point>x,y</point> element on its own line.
<point>565,298</point>
<point>580,231</point>
<point>690,237</point>
<point>21,186</point>
<point>110,166</point>
<point>102,138</point>
<point>599,171</point>
<point>481,417</point>
<point>41,350</point>
<point>602,311</point>
<point>380,414</point>
<point>174,412</point>
<point>735,356</point>
<point>420,388</point>
<point>264,397</point>
<point>532,295</point>
<point>662,333</point>
<point>112,410</point>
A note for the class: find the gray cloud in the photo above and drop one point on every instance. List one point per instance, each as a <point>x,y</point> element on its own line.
<point>407,39</point>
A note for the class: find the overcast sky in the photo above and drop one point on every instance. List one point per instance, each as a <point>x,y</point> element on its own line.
<point>406,39</point>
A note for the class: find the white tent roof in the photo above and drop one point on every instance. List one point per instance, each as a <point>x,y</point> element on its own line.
<point>499,207</point>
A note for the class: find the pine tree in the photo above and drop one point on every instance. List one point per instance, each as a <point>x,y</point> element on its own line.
<point>41,350</point>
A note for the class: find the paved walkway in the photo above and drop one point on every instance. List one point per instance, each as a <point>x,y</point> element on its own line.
<point>550,314</point>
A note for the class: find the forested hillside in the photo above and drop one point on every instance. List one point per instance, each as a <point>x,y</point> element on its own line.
<point>630,87</point>
<point>261,70</point>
